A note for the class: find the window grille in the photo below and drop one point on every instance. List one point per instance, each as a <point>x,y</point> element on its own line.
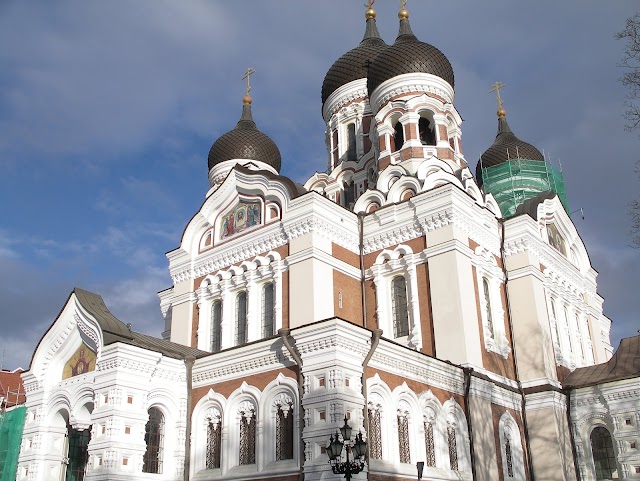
<point>241,319</point>
<point>267,310</point>
<point>430,444</point>
<point>284,433</point>
<point>214,444</point>
<point>248,437</point>
<point>154,438</point>
<point>78,454</point>
<point>487,300</point>
<point>453,448</point>
<point>403,439</point>
<point>375,434</point>
<point>216,326</point>
<point>399,306</point>
<point>508,455</point>
<point>604,457</point>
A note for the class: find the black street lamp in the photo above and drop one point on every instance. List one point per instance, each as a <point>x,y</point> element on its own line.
<point>357,447</point>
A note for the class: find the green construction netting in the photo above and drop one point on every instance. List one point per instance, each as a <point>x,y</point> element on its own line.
<point>11,424</point>
<point>517,180</point>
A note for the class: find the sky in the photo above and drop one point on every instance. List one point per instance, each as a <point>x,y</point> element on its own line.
<point>108,111</point>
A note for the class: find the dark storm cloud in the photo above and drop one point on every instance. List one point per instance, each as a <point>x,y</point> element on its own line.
<point>125,98</point>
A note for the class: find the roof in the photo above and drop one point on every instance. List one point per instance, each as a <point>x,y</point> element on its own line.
<point>353,65</point>
<point>114,330</point>
<point>506,147</point>
<point>408,55</point>
<point>11,388</point>
<point>624,364</point>
<point>245,141</point>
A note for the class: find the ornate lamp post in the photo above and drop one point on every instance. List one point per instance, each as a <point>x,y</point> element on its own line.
<point>358,448</point>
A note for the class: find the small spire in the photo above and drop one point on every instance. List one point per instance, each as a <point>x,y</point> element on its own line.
<point>371,31</point>
<point>503,126</point>
<point>405,32</point>
<point>246,120</point>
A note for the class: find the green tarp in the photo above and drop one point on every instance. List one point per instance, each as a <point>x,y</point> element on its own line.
<point>11,424</point>
<point>517,180</point>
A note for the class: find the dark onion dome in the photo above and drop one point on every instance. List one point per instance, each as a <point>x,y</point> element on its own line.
<point>353,64</point>
<point>506,147</point>
<point>408,55</point>
<point>245,142</point>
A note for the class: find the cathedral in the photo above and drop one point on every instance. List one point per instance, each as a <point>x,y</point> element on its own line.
<point>398,316</point>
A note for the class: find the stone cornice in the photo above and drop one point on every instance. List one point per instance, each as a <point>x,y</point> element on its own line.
<point>411,83</point>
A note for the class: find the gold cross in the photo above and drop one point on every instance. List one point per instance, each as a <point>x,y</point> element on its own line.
<point>403,4</point>
<point>496,88</point>
<point>247,77</point>
<point>369,3</point>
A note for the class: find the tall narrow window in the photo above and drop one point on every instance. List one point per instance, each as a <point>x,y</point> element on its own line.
<point>398,137</point>
<point>508,455</point>
<point>604,458</point>
<point>154,439</point>
<point>566,325</point>
<point>399,306</point>
<point>241,319</point>
<point>579,336</point>
<point>267,310</point>
<point>430,444</point>
<point>427,131</point>
<point>403,438</point>
<point>214,439</point>
<point>248,437</point>
<point>78,454</point>
<point>216,326</point>
<point>555,321</point>
<point>284,432</point>
<point>453,447</point>
<point>375,434</point>
<point>351,142</point>
<point>487,301</point>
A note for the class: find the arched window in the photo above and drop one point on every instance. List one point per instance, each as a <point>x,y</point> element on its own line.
<point>284,429</point>
<point>241,319</point>
<point>487,300</point>
<point>351,142</point>
<point>349,194</point>
<point>247,434</point>
<point>214,438</point>
<point>604,458</point>
<point>403,436</point>
<point>375,432</point>
<point>555,321</point>
<point>154,439</point>
<point>400,308</point>
<point>398,137</point>
<point>267,310</point>
<point>427,131</point>
<point>568,329</point>
<point>511,449</point>
<point>429,439</point>
<point>216,326</point>
<point>453,445</point>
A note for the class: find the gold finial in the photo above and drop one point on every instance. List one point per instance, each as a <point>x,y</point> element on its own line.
<point>403,14</point>
<point>247,76</point>
<point>370,13</point>
<point>496,88</point>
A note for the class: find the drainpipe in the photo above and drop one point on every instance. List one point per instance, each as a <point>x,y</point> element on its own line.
<point>285,335</point>
<point>375,340</point>
<point>188,362</point>
<point>363,291</point>
<point>525,424</point>
<point>468,372</point>
<point>574,450</point>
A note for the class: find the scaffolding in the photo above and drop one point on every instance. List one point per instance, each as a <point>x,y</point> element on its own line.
<point>12,415</point>
<point>517,180</point>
